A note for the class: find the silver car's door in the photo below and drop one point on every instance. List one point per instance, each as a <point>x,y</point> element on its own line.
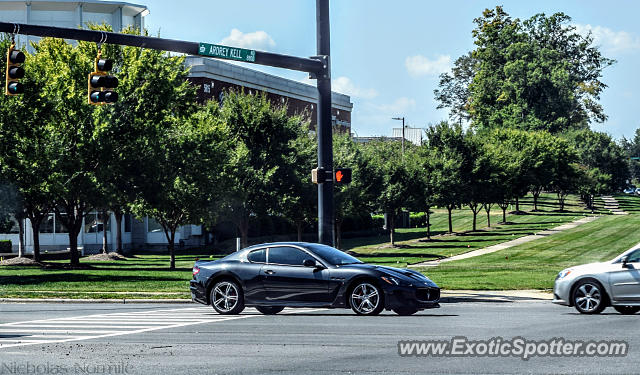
<point>625,280</point>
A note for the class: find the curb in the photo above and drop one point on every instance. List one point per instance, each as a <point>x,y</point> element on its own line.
<point>89,300</point>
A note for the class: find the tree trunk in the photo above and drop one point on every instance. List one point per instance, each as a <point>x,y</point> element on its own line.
<point>105,219</point>
<point>428,218</point>
<point>21,240</point>
<point>339,234</point>
<point>299,229</point>
<point>391,220</point>
<point>487,208</point>
<point>118,214</point>
<point>73,246</point>
<point>535,194</point>
<point>35,228</point>
<point>243,227</point>
<point>517,205</point>
<point>450,208</point>
<point>475,208</point>
<point>172,254</point>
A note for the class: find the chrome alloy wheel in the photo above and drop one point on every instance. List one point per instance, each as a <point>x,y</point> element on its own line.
<point>365,298</point>
<point>588,297</point>
<point>225,296</point>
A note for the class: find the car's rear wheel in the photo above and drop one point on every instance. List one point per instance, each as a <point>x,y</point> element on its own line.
<point>227,297</point>
<point>627,310</point>
<point>269,310</point>
<point>589,297</point>
<point>405,310</point>
<point>366,299</point>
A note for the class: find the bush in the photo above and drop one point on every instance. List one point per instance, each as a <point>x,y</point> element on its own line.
<point>378,221</point>
<point>418,220</point>
<point>5,246</point>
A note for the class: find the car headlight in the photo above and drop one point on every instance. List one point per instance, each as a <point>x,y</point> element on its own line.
<point>563,274</point>
<point>390,280</point>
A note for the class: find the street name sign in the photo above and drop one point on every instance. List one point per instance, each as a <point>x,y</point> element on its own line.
<point>225,52</point>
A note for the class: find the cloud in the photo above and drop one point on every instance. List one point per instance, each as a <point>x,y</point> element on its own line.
<point>422,66</point>
<point>399,106</point>
<point>610,40</point>
<point>259,40</point>
<point>345,86</point>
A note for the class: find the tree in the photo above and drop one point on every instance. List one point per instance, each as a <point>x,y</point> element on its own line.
<point>358,198</point>
<point>451,165</point>
<point>12,210</point>
<point>599,150</point>
<point>152,87</point>
<point>394,187</point>
<point>632,148</point>
<point>187,173</point>
<point>536,74</point>
<point>421,168</point>
<point>263,136</point>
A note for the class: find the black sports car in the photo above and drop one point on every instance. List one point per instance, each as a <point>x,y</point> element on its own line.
<point>273,276</point>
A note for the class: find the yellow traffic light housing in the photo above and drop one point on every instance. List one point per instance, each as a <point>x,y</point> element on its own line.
<point>15,72</point>
<point>100,83</point>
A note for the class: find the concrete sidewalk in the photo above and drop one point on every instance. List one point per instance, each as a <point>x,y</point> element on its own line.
<point>508,244</point>
<point>611,204</point>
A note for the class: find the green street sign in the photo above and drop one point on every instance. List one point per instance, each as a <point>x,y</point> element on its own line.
<point>225,52</point>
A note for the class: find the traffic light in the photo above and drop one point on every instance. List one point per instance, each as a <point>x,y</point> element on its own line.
<point>101,83</point>
<point>15,72</point>
<point>342,175</point>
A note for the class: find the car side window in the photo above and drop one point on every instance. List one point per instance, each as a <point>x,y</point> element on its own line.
<point>287,255</point>
<point>634,257</point>
<point>258,256</point>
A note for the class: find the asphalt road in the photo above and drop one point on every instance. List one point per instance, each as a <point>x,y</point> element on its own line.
<point>192,339</point>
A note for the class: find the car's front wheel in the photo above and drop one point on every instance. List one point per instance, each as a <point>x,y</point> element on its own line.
<point>627,310</point>
<point>589,297</point>
<point>366,299</point>
<point>269,310</point>
<point>227,297</point>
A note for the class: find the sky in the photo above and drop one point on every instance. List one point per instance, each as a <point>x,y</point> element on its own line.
<point>387,55</point>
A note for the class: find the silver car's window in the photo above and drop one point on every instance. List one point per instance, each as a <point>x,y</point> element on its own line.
<point>258,256</point>
<point>634,257</point>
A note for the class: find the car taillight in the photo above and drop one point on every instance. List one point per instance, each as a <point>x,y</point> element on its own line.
<point>195,271</point>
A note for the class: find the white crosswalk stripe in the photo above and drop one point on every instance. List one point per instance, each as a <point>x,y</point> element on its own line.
<point>86,327</point>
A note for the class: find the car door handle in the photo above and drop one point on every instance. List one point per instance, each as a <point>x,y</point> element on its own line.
<point>269,272</point>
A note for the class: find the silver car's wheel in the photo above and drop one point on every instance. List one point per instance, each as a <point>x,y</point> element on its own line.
<point>366,299</point>
<point>588,297</point>
<point>227,298</point>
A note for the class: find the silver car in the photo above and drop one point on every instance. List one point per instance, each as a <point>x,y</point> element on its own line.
<point>590,288</point>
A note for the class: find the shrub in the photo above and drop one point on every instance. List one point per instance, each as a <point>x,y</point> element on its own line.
<point>418,220</point>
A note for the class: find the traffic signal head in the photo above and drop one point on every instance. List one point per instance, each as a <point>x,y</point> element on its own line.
<point>100,83</point>
<point>342,175</point>
<point>15,72</point>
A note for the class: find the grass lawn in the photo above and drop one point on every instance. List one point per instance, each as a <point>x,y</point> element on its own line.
<point>147,275</point>
<point>411,246</point>
<point>534,265</point>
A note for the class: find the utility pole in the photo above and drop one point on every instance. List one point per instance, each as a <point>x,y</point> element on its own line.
<point>324,127</point>
<point>401,118</point>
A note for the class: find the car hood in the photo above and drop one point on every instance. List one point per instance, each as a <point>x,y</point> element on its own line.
<point>590,268</point>
<point>400,273</point>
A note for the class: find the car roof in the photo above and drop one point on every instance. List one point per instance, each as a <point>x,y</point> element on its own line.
<point>301,244</point>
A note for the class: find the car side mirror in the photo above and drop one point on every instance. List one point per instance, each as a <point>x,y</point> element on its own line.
<point>309,263</point>
<point>625,261</point>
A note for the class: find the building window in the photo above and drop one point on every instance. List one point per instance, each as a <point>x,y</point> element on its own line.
<point>127,223</point>
<point>153,226</point>
<point>47,224</point>
<point>93,223</point>
<point>60,227</point>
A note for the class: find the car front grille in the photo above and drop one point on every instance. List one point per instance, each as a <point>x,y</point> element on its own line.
<point>428,294</point>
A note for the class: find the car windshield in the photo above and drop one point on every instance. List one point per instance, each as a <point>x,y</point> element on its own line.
<point>332,255</point>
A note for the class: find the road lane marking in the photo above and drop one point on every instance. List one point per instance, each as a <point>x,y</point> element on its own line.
<point>123,324</point>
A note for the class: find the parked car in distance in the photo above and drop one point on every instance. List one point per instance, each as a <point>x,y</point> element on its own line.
<point>637,191</point>
<point>630,190</point>
<point>273,276</point>
<point>590,288</point>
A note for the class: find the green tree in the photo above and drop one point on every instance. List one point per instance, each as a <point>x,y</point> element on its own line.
<point>451,165</point>
<point>421,168</point>
<point>263,136</point>
<point>187,173</point>
<point>536,74</point>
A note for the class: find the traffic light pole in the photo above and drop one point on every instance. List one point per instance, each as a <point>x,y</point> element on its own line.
<point>324,126</point>
<point>317,66</point>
